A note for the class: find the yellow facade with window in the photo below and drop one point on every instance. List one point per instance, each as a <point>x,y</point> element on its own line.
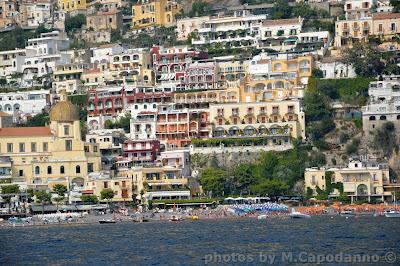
<point>44,156</point>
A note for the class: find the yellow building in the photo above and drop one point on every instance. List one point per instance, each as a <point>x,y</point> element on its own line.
<point>104,20</point>
<point>154,13</point>
<point>68,77</point>
<point>361,180</point>
<point>277,77</point>
<point>72,5</point>
<point>41,157</point>
<point>276,121</point>
<point>123,186</point>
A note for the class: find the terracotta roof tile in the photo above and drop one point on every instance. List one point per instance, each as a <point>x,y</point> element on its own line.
<point>275,22</point>
<point>2,114</point>
<point>385,15</point>
<point>25,131</point>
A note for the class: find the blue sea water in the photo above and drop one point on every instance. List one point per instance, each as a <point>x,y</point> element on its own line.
<point>354,241</point>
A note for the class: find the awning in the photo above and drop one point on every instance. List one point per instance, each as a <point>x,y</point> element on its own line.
<point>290,40</point>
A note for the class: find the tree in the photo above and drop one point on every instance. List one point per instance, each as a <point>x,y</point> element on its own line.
<point>213,180</point>
<point>243,178</point>
<point>107,194</point>
<point>60,189</point>
<point>200,8</point>
<point>39,120</point>
<point>365,58</point>
<point>75,22</point>
<point>281,9</point>
<point>89,199</point>
<point>8,192</point>
<point>396,5</point>
<point>271,187</point>
<point>43,197</point>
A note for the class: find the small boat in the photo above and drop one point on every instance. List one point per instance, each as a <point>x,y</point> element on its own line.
<point>298,215</point>
<point>176,219</point>
<point>108,221</point>
<point>262,217</point>
<point>392,214</point>
<point>347,213</point>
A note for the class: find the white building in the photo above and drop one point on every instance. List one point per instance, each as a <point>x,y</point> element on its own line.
<point>384,104</point>
<point>109,140</point>
<point>332,68</point>
<point>11,62</point>
<point>358,9</point>
<point>43,55</point>
<point>143,121</point>
<point>38,13</point>
<point>186,26</point>
<point>240,30</point>
<point>24,104</point>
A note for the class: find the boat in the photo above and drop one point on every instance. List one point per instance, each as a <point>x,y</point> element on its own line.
<point>392,214</point>
<point>107,221</point>
<point>176,219</point>
<point>298,215</point>
<point>262,217</point>
<point>347,213</point>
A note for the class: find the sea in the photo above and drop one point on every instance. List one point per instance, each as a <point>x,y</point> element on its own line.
<point>321,240</point>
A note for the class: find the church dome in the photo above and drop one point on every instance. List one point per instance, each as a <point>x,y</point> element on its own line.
<point>64,111</point>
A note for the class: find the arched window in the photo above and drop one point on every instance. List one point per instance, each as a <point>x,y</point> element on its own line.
<point>382,117</point>
<point>372,118</point>
<point>398,117</point>
<point>49,170</point>
<point>37,170</point>
<point>62,170</point>
<point>78,169</point>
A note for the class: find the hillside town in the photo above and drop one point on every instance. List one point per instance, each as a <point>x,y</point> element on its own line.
<point>159,103</point>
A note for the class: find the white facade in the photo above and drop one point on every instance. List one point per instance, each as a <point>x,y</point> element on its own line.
<point>186,26</point>
<point>178,159</point>
<point>143,121</point>
<point>384,104</point>
<point>22,104</point>
<point>38,13</point>
<point>101,54</point>
<point>332,68</point>
<point>356,9</point>
<point>11,62</point>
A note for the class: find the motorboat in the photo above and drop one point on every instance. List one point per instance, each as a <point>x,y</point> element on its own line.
<point>262,217</point>
<point>176,219</point>
<point>347,213</point>
<point>298,215</point>
<point>107,221</point>
<point>392,214</point>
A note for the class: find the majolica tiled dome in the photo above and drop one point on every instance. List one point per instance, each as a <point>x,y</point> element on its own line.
<point>64,111</point>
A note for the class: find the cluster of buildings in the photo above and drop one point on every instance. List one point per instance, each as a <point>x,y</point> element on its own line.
<point>170,99</point>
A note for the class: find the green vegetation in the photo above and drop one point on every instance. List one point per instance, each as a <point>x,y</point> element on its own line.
<point>365,58</point>
<point>43,197</point>
<point>123,122</point>
<point>39,120</point>
<point>350,90</point>
<point>74,23</point>
<point>385,139</point>
<point>396,5</point>
<point>17,37</point>
<point>200,8</point>
<point>274,173</point>
<point>89,199</point>
<point>79,100</point>
<point>7,192</point>
<point>352,148</point>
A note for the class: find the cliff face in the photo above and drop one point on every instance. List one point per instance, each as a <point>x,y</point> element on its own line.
<point>187,4</point>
